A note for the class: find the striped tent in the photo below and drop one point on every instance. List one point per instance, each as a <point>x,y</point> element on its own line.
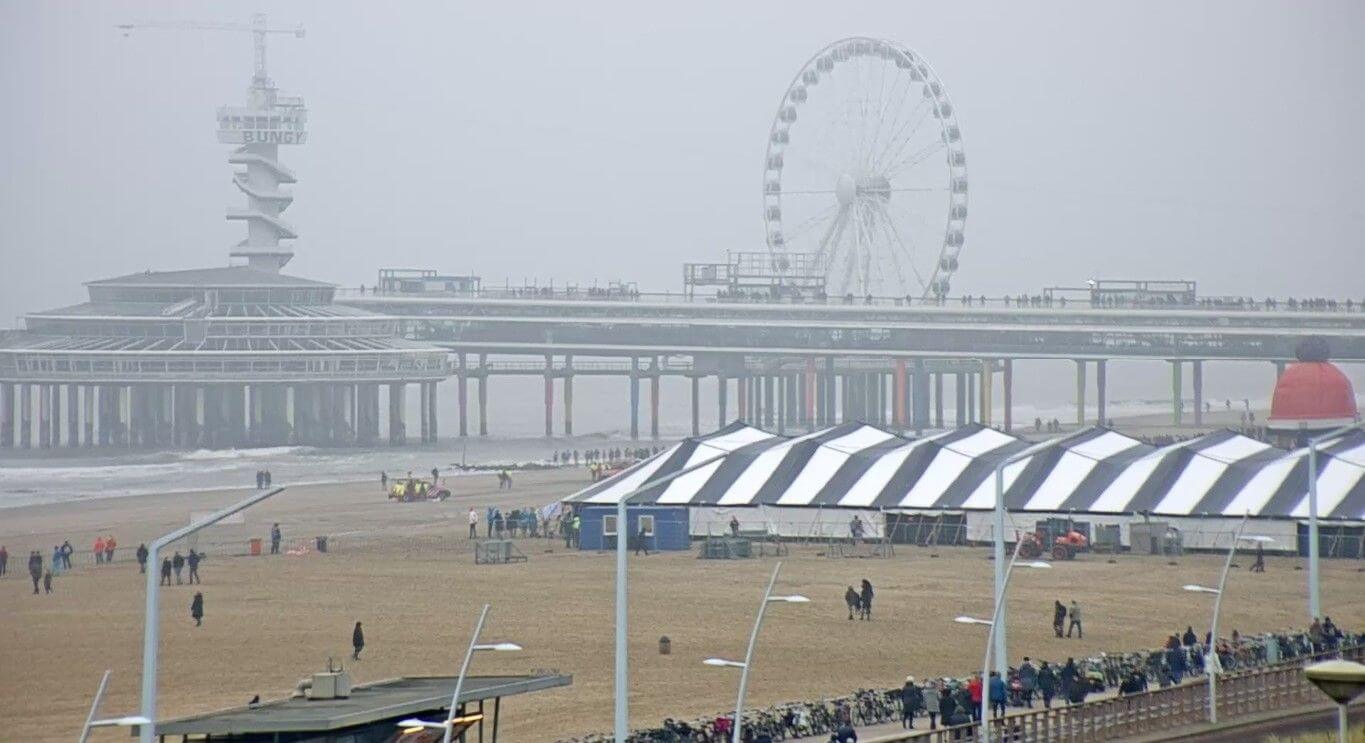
<point>1096,470</point>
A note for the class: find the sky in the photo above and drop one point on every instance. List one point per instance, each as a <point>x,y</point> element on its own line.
<point>600,141</point>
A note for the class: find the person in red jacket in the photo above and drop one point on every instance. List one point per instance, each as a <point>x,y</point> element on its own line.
<point>974,689</point>
<point>99,550</point>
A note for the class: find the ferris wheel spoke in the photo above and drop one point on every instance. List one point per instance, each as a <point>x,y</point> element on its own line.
<point>893,252</point>
<point>898,107</point>
<point>905,136</point>
<point>810,223</point>
<point>915,158</point>
<point>898,243</point>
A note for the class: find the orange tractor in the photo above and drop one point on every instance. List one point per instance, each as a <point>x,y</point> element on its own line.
<point>1064,546</point>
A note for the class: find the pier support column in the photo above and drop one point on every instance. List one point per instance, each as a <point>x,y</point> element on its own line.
<point>696,406</point>
<point>938,400</point>
<point>898,395</point>
<point>431,413</point>
<point>973,384</point>
<point>26,416</point>
<point>73,416</point>
<point>1197,382</point>
<point>919,414</point>
<point>424,408</point>
<point>44,416</point>
<point>654,403</point>
<point>634,398</point>
<point>483,395</point>
<point>767,381</point>
<point>88,415</point>
<point>1177,394</point>
<point>568,395</point>
<point>549,397</point>
<point>742,397</point>
<point>1102,392</point>
<point>781,404</point>
<point>397,412</point>
<point>7,415</point>
<point>1080,392</point>
<point>960,390</point>
<point>987,388</point>
<point>1007,393</point>
<point>462,393</point>
<point>808,390</point>
<point>722,392</point>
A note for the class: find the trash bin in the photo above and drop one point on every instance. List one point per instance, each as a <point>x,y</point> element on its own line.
<point>255,546</point>
<point>322,544</point>
<point>665,645</point>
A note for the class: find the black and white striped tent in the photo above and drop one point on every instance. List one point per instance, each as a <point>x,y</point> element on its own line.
<point>1096,470</point>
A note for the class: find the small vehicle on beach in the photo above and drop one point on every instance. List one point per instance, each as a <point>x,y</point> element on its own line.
<point>411,490</point>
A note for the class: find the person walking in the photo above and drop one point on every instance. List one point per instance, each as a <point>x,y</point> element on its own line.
<point>142,554</point>
<point>57,558</point>
<point>488,525</point>
<point>997,695</point>
<point>35,568</point>
<point>178,562</point>
<point>640,535</point>
<point>4,559</point>
<point>384,481</point>
<point>109,545</point>
<point>165,571</point>
<point>193,562</point>
<point>1075,621</point>
<point>197,609</point>
<point>275,536</point>
<point>67,552</point>
<point>473,523</point>
<point>974,693</point>
<point>1069,677</point>
<point>47,581</point>
<point>865,600</point>
<point>1259,565</point>
<point>1028,681</point>
<point>98,549</point>
<point>1058,617</point>
<point>357,641</point>
<point>1047,684</point>
<point>912,701</point>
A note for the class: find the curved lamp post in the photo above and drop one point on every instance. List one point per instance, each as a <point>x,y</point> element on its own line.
<point>1212,664</point>
<point>121,722</point>
<point>1314,587</point>
<point>1342,680</point>
<point>448,724</point>
<point>768,598</point>
<point>151,621</point>
<point>994,624</point>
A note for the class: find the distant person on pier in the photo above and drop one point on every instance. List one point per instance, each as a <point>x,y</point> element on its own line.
<point>357,641</point>
<point>197,609</point>
<point>275,536</point>
<point>734,526</point>
<point>384,481</point>
<point>435,476</point>
<point>165,571</point>
<point>142,554</point>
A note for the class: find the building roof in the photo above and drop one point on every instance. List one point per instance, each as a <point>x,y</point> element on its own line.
<point>1312,395</point>
<point>392,699</point>
<point>195,309</point>
<point>222,276</point>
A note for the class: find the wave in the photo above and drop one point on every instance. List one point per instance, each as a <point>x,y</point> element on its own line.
<point>264,452</point>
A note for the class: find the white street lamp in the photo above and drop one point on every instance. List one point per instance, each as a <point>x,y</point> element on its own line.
<point>1314,569</point>
<point>768,598</point>
<point>111,722</point>
<point>621,697</point>
<point>1212,664</point>
<point>995,624</point>
<point>1342,680</point>
<point>151,620</point>
<point>448,724</point>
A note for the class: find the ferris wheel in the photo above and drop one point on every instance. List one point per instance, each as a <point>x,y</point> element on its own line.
<point>865,172</point>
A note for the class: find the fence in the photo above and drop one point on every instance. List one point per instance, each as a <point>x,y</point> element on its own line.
<point>1279,687</point>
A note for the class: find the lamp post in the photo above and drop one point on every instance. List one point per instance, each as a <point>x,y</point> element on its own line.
<point>1314,587</point>
<point>1001,655</point>
<point>621,698</point>
<point>993,624</point>
<point>1342,680</point>
<point>1211,655</point>
<point>768,598</point>
<point>151,621</point>
<point>91,722</point>
<point>448,724</point>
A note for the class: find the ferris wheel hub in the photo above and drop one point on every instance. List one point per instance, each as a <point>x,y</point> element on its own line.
<point>846,189</point>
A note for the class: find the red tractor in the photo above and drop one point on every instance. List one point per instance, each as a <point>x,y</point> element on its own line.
<point>1064,547</point>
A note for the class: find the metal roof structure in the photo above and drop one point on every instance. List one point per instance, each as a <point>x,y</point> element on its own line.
<point>221,276</point>
<point>395,699</point>
<point>1095,470</point>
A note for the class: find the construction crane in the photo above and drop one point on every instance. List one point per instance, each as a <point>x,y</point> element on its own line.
<point>258,27</point>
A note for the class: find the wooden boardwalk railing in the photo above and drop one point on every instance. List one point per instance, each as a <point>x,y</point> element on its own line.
<point>1240,693</point>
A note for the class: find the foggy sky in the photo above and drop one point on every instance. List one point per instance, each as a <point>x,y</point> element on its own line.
<point>1215,141</point>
